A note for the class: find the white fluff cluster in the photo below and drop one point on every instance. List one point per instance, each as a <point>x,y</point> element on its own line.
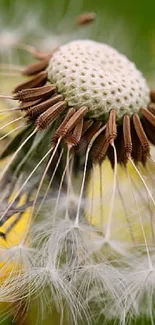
<point>69,265</point>
<point>96,75</point>
<point>14,30</point>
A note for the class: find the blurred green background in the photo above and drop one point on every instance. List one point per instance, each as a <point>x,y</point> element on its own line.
<point>129,26</point>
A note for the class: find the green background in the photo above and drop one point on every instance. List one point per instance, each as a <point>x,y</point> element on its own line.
<point>127,25</point>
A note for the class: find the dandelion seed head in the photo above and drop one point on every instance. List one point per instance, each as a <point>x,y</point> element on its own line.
<point>94,74</point>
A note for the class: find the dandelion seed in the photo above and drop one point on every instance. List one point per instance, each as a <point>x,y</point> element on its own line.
<point>86,18</point>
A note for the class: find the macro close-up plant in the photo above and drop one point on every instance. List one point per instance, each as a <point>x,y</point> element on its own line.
<point>77,165</point>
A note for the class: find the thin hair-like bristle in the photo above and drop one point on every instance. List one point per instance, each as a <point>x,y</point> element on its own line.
<point>112,201</point>
<point>10,132</point>
<point>49,116</point>
<point>38,81</point>
<point>35,68</point>
<point>43,176</point>
<point>50,182</point>
<point>85,171</point>
<point>26,181</point>
<point>28,95</point>
<point>3,172</point>
<point>11,122</point>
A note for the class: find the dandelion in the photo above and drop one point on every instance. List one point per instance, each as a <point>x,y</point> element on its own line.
<point>84,104</point>
<point>86,18</point>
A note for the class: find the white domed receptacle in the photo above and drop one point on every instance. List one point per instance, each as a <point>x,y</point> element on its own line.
<point>96,75</point>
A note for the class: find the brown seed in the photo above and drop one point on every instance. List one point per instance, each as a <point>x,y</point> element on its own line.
<point>27,95</point>
<point>123,149</point>
<point>127,136</point>
<point>86,126</point>
<point>88,135</point>
<point>141,134</point>
<point>42,107</point>
<point>97,147</point>
<point>149,130</point>
<point>111,129</point>
<point>148,115</point>
<point>48,117</point>
<point>86,18</point>
<point>136,145</point>
<point>151,108</point>
<point>152,95</point>
<point>35,68</point>
<point>103,152</point>
<point>58,132</point>
<point>78,115</point>
<point>40,55</point>
<point>25,106</point>
<point>75,137</point>
<point>38,81</point>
